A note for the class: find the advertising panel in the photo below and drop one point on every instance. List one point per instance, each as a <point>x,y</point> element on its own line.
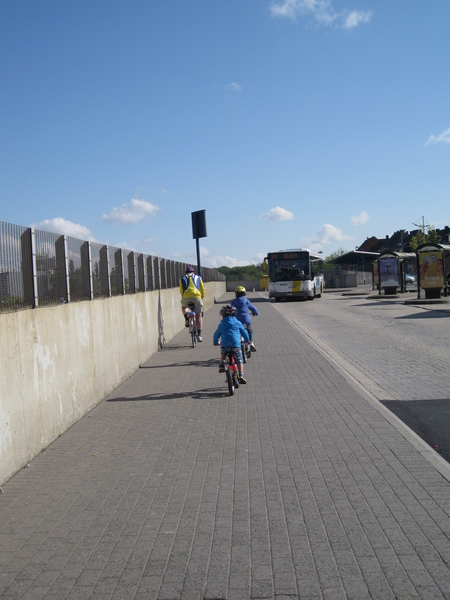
<point>389,272</point>
<point>431,267</point>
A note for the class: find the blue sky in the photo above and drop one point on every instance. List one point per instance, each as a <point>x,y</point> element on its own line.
<point>294,123</point>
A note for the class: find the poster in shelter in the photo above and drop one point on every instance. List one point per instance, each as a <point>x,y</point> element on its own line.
<point>389,272</point>
<point>431,269</point>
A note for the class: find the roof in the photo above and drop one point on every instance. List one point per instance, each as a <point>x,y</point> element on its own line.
<point>356,254</point>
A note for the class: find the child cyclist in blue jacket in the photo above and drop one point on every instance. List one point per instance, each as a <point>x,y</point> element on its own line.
<point>244,307</point>
<point>229,333</point>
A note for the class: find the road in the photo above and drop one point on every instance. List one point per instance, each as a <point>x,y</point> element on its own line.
<point>398,353</point>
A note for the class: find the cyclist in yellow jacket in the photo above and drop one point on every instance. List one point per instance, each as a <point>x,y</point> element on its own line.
<point>192,290</point>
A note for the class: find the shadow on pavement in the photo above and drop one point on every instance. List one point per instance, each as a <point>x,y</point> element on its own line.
<point>428,314</point>
<point>205,394</point>
<point>252,299</point>
<point>211,362</point>
<point>430,419</point>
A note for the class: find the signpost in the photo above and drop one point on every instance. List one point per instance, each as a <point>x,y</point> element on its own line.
<point>198,231</point>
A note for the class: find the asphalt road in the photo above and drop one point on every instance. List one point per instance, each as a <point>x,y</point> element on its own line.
<point>399,353</point>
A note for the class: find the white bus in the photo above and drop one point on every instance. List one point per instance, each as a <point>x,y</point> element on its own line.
<point>296,273</point>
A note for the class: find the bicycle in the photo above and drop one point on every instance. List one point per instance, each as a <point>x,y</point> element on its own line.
<point>192,324</point>
<point>246,350</point>
<point>231,371</point>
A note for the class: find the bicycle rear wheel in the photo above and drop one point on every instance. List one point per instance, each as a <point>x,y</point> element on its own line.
<point>230,382</point>
<point>235,381</point>
<point>194,337</point>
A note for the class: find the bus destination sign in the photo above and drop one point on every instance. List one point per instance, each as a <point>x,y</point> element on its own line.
<point>283,255</point>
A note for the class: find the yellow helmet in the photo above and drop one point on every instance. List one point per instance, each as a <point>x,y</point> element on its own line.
<point>240,290</point>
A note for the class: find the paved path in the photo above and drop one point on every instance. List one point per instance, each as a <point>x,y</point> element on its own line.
<point>300,486</point>
<point>398,353</point>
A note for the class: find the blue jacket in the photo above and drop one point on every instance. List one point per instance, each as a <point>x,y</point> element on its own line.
<point>229,332</point>
<point>243,306</point>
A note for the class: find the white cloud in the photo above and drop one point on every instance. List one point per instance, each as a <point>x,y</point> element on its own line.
<point>278,214</point>
<point>360,219</point>
<point>259,258</point>
<point>443,137</point>
<point>207,260</point>
<point>321,11</point>
<point>127,246</point>
<point>234,87</point>
<point>149,241</point>
<point>224,261</point>
<point>130,214</point>
<point>327,234</point>
<point>356,17</point>
<point>64,227</point>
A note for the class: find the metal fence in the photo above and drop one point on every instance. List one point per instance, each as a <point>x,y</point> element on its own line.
<point>38,268</point>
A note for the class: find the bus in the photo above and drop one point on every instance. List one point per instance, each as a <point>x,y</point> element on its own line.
<point>296,273</point>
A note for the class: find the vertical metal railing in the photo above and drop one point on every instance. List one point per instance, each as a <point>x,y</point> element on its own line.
<point>40,268</point>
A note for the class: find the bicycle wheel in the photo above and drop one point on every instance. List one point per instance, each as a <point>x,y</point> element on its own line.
<point>235,381</point>
<point>194,337</point>
<point>230,382</point>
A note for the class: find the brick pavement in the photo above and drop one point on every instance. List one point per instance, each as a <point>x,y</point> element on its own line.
<point>296,487</point>
<point>400,351</point>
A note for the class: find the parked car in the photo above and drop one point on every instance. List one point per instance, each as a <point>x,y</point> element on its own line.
<point>410,278</point>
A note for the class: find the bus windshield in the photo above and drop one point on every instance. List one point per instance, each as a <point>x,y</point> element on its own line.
<point>290,269</point>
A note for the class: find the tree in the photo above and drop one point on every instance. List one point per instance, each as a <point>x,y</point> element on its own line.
<point>246,273</point>
<point>329,260</point>
<point>430,237</point>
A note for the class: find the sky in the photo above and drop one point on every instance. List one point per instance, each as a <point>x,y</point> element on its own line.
<point>292,123</point>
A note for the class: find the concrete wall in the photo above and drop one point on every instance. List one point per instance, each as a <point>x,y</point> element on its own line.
<point>57,363</point>
<point>249,285</point>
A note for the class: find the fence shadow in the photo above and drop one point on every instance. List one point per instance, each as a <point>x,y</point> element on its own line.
<point>203,394</point>
<point>185,363</point>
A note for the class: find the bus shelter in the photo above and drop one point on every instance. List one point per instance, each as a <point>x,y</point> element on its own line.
<point>395,271</point>
<point>433,268</point>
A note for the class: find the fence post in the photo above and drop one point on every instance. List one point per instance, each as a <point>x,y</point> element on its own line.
<point>156,274</point>
<point>162,274</point>
<point>168,274</point>
<point>120,277</point>
<point>150,275</point>
<point>29,274</point>
<point>142,274</point>
<point>62,268</point>
<point>105,282</point>
<point>86,270</point>
<point>132,273</point>
<point>172,273</point>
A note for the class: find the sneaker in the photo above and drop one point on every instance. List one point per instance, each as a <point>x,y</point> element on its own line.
<point>252,348</point>
<point>199,338</point>
<point>222,367</point>
<point>241,379</point>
